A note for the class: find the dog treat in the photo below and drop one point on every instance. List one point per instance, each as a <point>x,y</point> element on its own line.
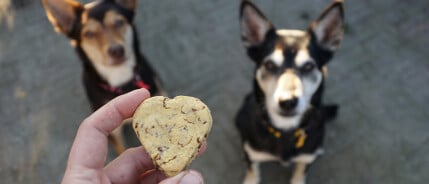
<point>172,130</point>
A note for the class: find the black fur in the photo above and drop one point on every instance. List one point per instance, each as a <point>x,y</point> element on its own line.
<point>100,10</point>
<point>258,52</point>
<point>320,54</point>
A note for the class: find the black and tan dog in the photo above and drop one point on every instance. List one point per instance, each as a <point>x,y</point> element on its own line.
<point>283,118</point>
<point>105,39</point>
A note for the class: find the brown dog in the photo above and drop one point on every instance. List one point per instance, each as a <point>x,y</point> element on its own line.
<point>105,39</point>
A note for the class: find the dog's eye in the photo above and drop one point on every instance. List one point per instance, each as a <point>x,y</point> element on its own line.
<point>119,23</point>
<point>90,34</point>
<point>307,67</point>
<point>270,66</point>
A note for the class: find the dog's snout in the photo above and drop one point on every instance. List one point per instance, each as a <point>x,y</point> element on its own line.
<point>288,104</point>
<point>116,51</point>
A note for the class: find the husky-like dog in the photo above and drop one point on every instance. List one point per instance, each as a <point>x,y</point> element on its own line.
<point>104,37</point>
<point>283,118</point>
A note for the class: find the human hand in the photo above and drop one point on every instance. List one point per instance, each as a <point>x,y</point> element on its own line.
<point>90,147</point>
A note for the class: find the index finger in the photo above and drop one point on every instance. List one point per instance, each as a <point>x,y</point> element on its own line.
<point>89,149</point>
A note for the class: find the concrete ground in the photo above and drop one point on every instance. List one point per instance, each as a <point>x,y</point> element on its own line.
<point>379,77</point>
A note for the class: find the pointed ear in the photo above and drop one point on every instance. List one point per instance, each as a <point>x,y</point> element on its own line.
<point>329,27</point>
<point>254,25</point>
<point>129,4</point>
<point>62,14</point>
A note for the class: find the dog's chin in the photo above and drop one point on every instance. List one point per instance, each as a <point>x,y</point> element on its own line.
<point>116,61</point>
<point>288,113</point>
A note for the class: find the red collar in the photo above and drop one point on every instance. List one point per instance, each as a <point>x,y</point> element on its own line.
<point>136,83</point>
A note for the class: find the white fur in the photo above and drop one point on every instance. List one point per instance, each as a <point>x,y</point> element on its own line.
<point>259,156</point>
<point>302,57</point>
<point>253,175</point>
<point>288,86</point>
<point>305,158</point>
<point>291,32</point>
<point>298,176</point>
<point>282,122</point>
<point>277,57</point>
<point>91,4</point>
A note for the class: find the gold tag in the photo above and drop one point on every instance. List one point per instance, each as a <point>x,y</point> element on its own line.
<point>300,133</point>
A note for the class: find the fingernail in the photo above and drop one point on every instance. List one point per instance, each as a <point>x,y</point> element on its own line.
<point>191,178</point>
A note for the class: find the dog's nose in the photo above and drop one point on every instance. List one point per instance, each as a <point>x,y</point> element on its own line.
<point>116,51</point>
<point>289,104</point>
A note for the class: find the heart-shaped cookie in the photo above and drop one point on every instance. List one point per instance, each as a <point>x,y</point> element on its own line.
<point>172,130</point>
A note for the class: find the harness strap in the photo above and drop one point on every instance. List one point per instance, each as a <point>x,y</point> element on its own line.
<point>299,134</point>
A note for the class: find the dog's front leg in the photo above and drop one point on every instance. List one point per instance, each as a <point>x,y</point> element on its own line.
<point>252,174</point>
<point>117,140</point>
<point>117,137</point>
<point>298,176</point>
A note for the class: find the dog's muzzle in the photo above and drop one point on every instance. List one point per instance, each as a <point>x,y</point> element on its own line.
<point>287,92</point>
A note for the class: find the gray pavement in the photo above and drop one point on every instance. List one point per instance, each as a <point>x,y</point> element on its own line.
<point>380,78</point>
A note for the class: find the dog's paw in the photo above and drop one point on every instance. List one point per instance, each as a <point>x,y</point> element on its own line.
<point>300,180</point>
<point>250,181</point>
<point>298,177</point>
<point>252,177</point>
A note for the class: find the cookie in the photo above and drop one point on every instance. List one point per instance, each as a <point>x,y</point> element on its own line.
<point>172,130</point>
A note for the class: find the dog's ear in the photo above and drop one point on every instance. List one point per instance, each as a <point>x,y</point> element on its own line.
<point>254,25</point>
<point>329,27</point>
<point>129,4</point>
<point>62,14</point>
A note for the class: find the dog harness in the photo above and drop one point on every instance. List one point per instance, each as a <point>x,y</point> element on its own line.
<point>299,134</point>
<point>136,83</point>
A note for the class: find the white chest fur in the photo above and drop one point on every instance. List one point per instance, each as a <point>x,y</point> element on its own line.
<point>117,75</point>
<point>282,122</point>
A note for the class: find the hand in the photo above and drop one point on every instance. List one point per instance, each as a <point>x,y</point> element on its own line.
<point>89,150</point>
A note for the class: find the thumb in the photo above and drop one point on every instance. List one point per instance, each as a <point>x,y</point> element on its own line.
<point>186,177</point>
